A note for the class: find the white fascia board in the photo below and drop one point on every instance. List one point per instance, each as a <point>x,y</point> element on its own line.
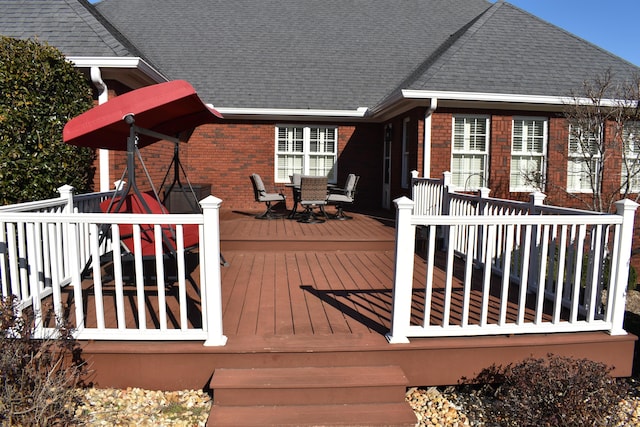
<point>501,97</point>
<point>358,113</point>
<point>130,62</point>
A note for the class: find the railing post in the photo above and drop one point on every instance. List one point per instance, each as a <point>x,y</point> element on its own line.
<point>211,287</point>
<point>66,192</point>
<point>403,272</point>
<point>627,209</point>
<point>536,199</point>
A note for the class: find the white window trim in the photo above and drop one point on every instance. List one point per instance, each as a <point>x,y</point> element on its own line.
<point>579,156</point>
<point>630,154</point>
<point>484,153</point>
<point>543,155</point>
<point>306,153</point>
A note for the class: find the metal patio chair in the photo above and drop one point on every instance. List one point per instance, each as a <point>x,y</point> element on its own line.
<point>342,196</point>
<point>313,193</point>
<point>261,195</point>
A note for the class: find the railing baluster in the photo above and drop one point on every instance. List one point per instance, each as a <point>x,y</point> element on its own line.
<point>557,307</point>
<point>468,275</point>
<point>504,295</point>
<point>97,278</point>
<point>574,295</point>
<point>182,274</point>
<point>162,301</point>
<point>56,275</point>
<point>525,255</point>
<point>486,278</point>
<point>139,278</point>
<point>448,282</point>
<point>430,260</point>
<point>117,273</point>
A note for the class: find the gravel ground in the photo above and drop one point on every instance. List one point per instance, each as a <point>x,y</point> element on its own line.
<point>439,407</point>
<point>138,407</point>
<point>434,406</point>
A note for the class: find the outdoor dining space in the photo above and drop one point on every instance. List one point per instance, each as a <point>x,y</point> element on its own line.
<point>309,193</point>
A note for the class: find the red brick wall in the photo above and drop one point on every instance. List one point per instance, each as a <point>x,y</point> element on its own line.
<point>441,135</point>
<point>224,155</point>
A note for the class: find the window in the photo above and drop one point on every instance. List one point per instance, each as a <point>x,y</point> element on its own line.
<point>470,152</point>
<point>528,145</point>
<point>630,175</point>
<point>306,150</point>
<point>584,160</point>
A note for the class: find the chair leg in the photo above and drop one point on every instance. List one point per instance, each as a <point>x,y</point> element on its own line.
<point>268,214</point>
<point>308,217</point>
<point>340,214</point>
<point>294,211</point>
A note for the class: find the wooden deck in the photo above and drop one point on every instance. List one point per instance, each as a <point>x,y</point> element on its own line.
<point>300,295</point>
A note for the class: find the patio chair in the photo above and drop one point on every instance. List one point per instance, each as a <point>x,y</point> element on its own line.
<point>262,196</point>
<point>341,196</point>
<point>295,189</point>
<point>313,193</point>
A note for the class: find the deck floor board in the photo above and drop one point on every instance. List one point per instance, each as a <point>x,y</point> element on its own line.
<point>322,290</point>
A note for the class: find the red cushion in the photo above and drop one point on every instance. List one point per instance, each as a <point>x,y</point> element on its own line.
<point>133,204</point>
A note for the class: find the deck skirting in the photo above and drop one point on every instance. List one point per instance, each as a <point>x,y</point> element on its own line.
<point>425,361</point>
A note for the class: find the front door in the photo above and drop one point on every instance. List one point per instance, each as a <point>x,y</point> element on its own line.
<point>386,168</point>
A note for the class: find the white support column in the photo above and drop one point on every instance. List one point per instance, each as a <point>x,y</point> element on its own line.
<point>103,155</point>
<point>403,272</point>
<point>426,147</point>
<point>627,209</point>
<point>211,287</point>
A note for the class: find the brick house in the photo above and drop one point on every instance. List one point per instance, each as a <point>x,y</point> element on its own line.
<point>379,88</point>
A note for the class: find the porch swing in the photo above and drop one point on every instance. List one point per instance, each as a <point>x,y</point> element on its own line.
<point>142,117</point>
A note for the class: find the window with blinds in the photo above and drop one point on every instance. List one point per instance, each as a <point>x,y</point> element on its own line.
<point>469,152</point>
<point>630,174</point>
<point>528,150</point>
<point>584,160</point>
<point>306,150</point>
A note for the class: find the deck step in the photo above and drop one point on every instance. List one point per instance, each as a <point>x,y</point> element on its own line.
<point>360,415</point>
<point>344,395</point>
<point>308,385</point>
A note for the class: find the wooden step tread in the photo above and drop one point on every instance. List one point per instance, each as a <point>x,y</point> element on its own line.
<point>309,377</point>
<point>387,414</point>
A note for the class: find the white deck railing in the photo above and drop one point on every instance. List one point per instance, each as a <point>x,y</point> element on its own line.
<point>46,246</point>
<point>523,267</point>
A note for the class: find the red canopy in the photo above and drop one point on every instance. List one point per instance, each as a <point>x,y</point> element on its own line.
<point>167,108</point>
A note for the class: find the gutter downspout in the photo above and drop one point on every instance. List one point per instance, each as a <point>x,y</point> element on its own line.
<point>426,149</point>
<point>103,155</point>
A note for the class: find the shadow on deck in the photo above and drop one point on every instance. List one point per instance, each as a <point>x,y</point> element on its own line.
<point>319,295</point>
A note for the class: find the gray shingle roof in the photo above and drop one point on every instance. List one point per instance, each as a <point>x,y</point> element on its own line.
<point>70,25</point>
<point>331,54</point>
<point>510,51</point>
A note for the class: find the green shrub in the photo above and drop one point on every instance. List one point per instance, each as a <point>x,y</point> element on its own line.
<point>39,376</point>
<point>40,91</point>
